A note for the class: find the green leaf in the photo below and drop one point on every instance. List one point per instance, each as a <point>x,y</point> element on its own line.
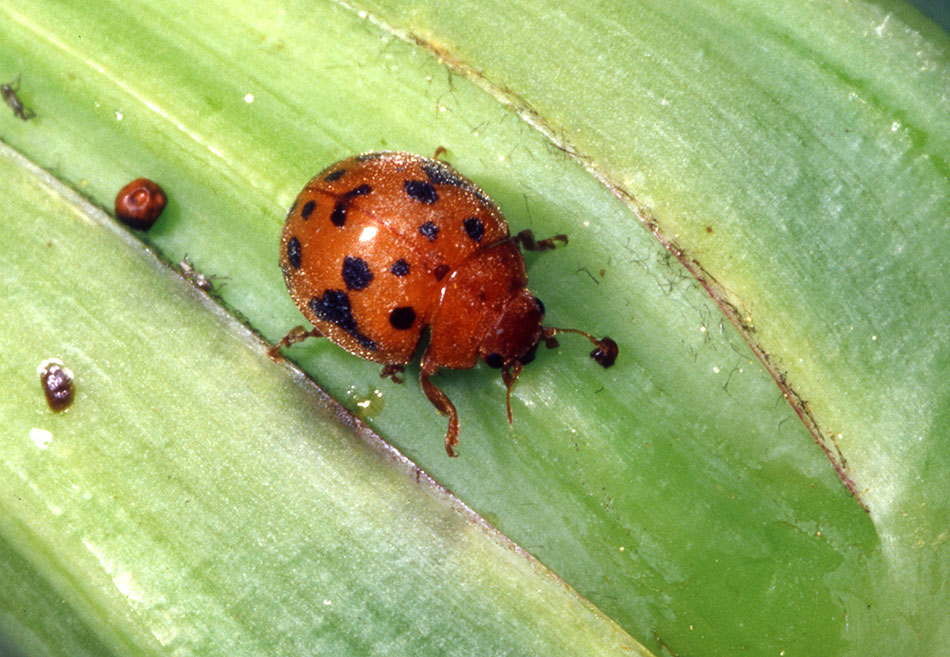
<point>789,165</point>
<point>196,497</point>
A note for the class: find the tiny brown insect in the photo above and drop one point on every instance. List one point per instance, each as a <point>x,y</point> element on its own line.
<point>198,279</point>
<point>140,203</point>
<point>57,382</point>
<point>10,97</point>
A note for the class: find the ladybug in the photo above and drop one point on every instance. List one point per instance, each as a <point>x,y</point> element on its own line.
<point>139,203</point>
<point>380,246</point>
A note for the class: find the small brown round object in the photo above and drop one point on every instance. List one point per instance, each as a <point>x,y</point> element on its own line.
<point>606,352</point>
<point>139,203</point>
<point>57,382</point>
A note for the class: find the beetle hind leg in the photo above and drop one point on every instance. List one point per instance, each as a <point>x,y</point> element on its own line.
<point>527,241</point>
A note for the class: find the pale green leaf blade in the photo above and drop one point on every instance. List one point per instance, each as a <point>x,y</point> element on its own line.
<point>198,498</point>
<point>678,491</point>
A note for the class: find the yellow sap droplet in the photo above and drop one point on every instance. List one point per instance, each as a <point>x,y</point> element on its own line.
<point>365,405</point>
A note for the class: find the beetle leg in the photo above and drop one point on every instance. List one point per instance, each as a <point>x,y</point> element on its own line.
<point>297,334</point>
<point>527,241</point>
<point>605,349</point>
<point>443,405</point>
<point>393,371</point>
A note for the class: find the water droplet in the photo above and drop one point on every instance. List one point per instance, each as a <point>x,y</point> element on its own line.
<point>365,405</point>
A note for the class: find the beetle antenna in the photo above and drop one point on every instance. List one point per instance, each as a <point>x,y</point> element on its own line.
<point>605,349</point>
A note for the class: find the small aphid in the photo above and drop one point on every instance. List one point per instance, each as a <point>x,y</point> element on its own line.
<point>199,280</point>
<point>140,203</point>
<point>57,382</point>
<point>10,97</point>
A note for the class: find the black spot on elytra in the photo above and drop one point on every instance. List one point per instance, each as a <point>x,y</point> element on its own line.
<point>474,228</point>
<point>494,360</point>
<point>402,318</point>
<point>429,230</point>
<point>334,307</point>
<point>362,190</point>
<point>340,208</point>
<point>440,272</point>
<point>356,273</point>
<point>293,252</point>
<point>421,191</point>
<point>335,175</point>
<point>307,209</point>
<point>439,173</point>
<point>338,216</point>
<point>400,268</point>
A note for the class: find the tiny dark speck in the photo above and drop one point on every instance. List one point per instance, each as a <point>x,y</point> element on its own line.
<point>399,268</point>
<point>429,230</point>
<point>57,384</point>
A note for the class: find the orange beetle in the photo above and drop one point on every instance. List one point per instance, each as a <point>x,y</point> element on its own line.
<point>380,246</point>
